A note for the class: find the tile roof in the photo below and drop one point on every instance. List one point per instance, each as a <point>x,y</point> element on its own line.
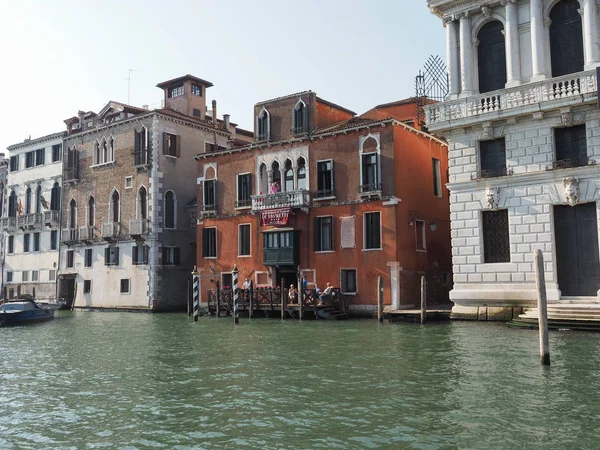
<point>297,94</point>
<point>184,78</point>
<point>333,105</point>
<point>36,141</point>
<point>347,124</point>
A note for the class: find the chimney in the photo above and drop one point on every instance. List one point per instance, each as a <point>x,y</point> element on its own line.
<point>226,121</point>
<point>214,112</point>
<point>145,107</point>
<point>81,115</point>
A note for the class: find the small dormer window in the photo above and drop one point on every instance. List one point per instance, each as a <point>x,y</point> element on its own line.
<point>263,125</point>
<point>197,90</point>
<point>300,118</point>
<point>196,112</point>
<point>176,91</point>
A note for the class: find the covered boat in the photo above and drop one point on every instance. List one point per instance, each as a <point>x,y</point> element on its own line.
<point>17,312</point>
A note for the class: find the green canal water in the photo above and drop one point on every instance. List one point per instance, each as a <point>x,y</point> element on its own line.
<point>137,381</point>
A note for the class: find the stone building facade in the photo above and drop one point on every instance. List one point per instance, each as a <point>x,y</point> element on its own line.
<point>128,228</point>
<point>30,217</point>
<point>523,128</point>
<point>332,196</point>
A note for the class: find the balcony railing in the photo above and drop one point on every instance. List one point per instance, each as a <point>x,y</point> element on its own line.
<point>141,158</point>
<point>572,85</point>
<point>86,233</point>
<point>299,130</point>
<point>69,235</point>
<point>246,203</point>
<point>493,172</point>
<point>571,162</point>
<point>325,193</point>
<point>51,218</point>
<point>208,209</point>
<point>110,230</point>
<point>290,199</point>
<point>8,223</point>
<point>72,173</point>
<point>138,227</point>
<point>369,189</point>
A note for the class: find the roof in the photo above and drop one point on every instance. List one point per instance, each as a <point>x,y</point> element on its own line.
<point>29,142</point>
<point>297,94</point>
<point>333,105</point>
<point>406,101</point>
<point>121,107</point>
<point>184,78</point>
<point>347,124</point>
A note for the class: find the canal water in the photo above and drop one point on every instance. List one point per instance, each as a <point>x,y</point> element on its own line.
<point>138,381</point>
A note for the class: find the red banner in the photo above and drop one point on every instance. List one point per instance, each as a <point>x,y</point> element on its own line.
<point>277,216</point>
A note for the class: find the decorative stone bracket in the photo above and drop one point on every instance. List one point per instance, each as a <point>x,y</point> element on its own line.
<point>571,185</point>
<point>492,196</point>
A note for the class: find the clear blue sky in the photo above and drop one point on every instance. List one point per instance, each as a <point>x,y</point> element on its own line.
<point>62,56</point>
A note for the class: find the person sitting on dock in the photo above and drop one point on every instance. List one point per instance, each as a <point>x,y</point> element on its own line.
<point>326,294</point>
<point>293,294</point>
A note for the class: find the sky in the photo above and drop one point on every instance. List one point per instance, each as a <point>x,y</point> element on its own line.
<point>59,57</point>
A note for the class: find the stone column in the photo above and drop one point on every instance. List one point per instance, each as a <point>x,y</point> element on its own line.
<point>453,56</point>
<point>269,180</point>
<point>513,51</point>
<point>591,40</point>
<point>282,182</point>
<point>538,47</point>
<point>466,55</point>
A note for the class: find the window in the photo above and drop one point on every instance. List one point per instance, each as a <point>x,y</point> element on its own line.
<point>170,209</point>
<point>111,256</point>
<point>55,197</point>
<point>420,235</point>
<point>70,258</point>
<point>40,157</point>
<point>38,199</point>
<point>14,163</point>
<point>496,242</point>
<point>11,244</point>
<point>288,177</point>
<point>492,158</point>
<point>176,91</point>
<point>124,286</point>
<point>26,239</point>
<point>323,234</point>
<point>437,177</point>
<point>36,242</point>
<point>491,55</point>
<point>300,118</point>
<point>28,201</point>
<point>25,275</point>
<point>12,204</point>
<point>571,147</point>
<point>372,230</point>
<point>35,275</point>
<point>56,151</point>
<point>325,178</point>
<point>244,190</point>
<point>170,256</point>
<point>210,147</point>
<point>9,277</point>
<point>72,214</point>
<point>140,147</point>
<point>209,242</point>
<point>142,204</point>
<point>53,240</point>
<point>91,212</point>
<point>244,240</point>
<point>52,275</point>
<point>139,254</point>
<point>210,195</point>
<point>370,173</point>
<point>72,166</point>
<point>197,90</point>
<point>348,281</point>
<point>29,159</point>
<point>282,239</point>
<point>263,125</point>
<point>87,286</point>
<point>566,38</point>
<point>196,113</point>
<point>128,182</point>
<point>88,258</point>
<point>114,207</point>
<point>301,174</point>
<point>170,144</point>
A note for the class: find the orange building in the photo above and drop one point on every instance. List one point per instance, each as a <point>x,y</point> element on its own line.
<point>332,196</point>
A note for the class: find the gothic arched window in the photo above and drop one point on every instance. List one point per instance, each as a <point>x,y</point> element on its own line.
<point>491,57</point>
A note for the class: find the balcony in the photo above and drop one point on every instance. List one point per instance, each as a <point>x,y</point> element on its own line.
<point>325,193</point>
<point>507,102</point>
<point>208,210</point>
<point>110,230</point>
<point>139,227</point>
<point>69,235</point>
<point>245,203</point>
<point>8,224</point>
<point>576,161</point>
<point>290,199</point>
<point>370,190</point>
<point>87,233</point>
<point>51,218</point>
<point>299,131</point>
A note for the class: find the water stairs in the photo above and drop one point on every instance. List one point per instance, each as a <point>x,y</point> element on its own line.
<point>571,316</point>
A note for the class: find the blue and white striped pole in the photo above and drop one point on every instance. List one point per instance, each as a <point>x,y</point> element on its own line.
<point>236,294</point>
<point>196,294</point>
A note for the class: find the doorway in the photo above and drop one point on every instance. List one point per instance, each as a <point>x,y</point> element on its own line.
<point>577,258</point>
<point>289,275</point>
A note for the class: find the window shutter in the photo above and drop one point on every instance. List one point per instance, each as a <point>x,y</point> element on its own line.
<point>146,141</point>
<point>377,230</point>
<point>317,234</point>
<point>178,146</point>
<point>331,234</point>
<point>305,118</point>
<point>294,119</point>
<point>136,141</point>
<point>164,141</point>
<point>116,256</point>
<point>332,178</point>
<point>107,256</point>
<point>134,254</point>
<point>176,256</point>
<point>146,251</point>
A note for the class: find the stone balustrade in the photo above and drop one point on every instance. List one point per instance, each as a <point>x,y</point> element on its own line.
<point>289,199</point>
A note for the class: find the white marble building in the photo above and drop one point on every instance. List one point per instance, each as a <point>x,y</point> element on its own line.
<point>523,126</point>
<point>30,217</point>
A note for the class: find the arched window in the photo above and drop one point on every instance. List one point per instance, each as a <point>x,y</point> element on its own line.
<point>491,54</point>
<point>276,176</point>
<point>170,202</point>
<point>72,213</point>
<point>263,125</point>
<point>114,206</point>
<point>142,204</point>
<point>301,174</point>
<point>97,153</point>
<point>91,211</point>
<point>12,204</point>
<point>55,197</point>
<point>300,118</point>
<point>263,187</point>
<point>566,38</point>
<point>28,201</point>
<point>289,176</point>
<point>38,199</point>
<point>111,150</point>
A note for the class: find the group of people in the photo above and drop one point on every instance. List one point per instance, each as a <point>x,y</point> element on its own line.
<point>323,296</point>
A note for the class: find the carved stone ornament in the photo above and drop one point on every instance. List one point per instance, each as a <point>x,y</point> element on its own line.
<point>488,130</point>
<point>486,11</point>
<point>492,196</point>
<point>571,185</point>
<point>566,117</point>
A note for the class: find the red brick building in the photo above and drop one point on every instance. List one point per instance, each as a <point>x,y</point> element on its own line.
<point>355,198</point>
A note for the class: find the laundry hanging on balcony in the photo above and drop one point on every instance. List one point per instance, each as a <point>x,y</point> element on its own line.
<point>276,216</point>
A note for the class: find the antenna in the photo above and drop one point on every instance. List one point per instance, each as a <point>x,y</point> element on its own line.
<point>129,82</point>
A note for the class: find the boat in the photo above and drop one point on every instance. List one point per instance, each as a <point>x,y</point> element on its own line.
<point>50,304</point>
<point>17,312</point>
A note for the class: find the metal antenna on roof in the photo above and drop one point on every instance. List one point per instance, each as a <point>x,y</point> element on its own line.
<point>129,82</point>
<point>431,84</point>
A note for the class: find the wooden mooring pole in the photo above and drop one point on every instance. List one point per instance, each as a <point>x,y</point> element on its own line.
<point>423,300</point>
<point>282,299</point>
<point>218,299</point>
<point>542,303</point>
<point>236,294</point>
<point>251,300</point>
<point>379,299</point>
<point>196,294</point>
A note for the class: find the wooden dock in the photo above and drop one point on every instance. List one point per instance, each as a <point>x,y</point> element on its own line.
<point>436,314</point>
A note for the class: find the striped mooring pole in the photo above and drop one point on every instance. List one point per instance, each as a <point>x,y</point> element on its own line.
<point>196,294</point>
<point>236,294</point>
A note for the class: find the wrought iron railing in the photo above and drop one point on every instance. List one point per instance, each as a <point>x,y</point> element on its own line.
<point>141,158</point>
<point>325,193</point>
<point>245,203</point>
<point>209,209</point>
<point>299,130</point>
<point>289,199</point>
<point>571,162</point>
<point>492,173</point>
<point>72,173</point>
<point>369,188</point>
